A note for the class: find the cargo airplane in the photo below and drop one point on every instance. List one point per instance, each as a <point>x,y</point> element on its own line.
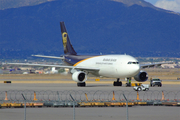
<point>112,66</point>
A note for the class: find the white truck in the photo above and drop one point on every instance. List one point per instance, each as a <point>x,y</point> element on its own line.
<point>143,87</point>
<point>155,82</point>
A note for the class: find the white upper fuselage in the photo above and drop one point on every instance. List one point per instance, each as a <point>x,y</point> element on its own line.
<point>116,66</point>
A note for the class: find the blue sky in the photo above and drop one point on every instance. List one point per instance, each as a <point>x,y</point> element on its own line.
<point>173,5</point>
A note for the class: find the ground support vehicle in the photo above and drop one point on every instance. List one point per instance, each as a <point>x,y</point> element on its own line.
<point>155,82</point>
<point>143,87</point>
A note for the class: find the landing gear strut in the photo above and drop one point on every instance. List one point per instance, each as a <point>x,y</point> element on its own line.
<point>81,84</point>
<point>117,83</point>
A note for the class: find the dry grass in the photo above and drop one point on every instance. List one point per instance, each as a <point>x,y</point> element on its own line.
<point>164,74</point>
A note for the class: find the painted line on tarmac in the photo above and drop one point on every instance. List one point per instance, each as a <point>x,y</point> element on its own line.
<point>70,82</point>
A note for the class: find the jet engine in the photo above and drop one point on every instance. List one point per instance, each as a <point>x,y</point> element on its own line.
<point>142,76</point>
<point>79,76</point>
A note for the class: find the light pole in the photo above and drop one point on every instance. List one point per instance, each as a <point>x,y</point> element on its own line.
<point>24,106</point>
<point>127,114</point>
<point>73,106</point>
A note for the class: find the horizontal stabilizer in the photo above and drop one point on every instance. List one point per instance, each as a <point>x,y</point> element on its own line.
<point>54,57</point>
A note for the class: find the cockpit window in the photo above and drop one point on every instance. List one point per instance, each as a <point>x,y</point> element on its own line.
<point>133,62</point>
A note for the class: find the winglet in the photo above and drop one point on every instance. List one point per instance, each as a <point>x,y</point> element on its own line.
<point>68,48</point>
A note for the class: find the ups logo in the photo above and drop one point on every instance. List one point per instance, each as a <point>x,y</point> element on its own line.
<point>64,36</point>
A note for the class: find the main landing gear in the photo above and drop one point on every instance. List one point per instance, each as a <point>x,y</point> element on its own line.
<point>117,83</point>
<point>81,84</point>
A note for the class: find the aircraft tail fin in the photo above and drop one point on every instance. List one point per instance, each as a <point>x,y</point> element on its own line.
<point>68,48</point>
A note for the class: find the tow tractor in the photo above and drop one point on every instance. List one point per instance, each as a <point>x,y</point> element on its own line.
<point>143,87</point>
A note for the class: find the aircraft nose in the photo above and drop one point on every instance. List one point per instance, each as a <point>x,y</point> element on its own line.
<point>136,69</point>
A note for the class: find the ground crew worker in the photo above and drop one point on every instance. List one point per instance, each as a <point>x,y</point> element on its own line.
<point>130,81</point>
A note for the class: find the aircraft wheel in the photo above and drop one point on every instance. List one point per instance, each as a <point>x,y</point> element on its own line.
<point>117,83</point>
<point>81,84</point>
<point>138,89</point>
<point>120,83</point>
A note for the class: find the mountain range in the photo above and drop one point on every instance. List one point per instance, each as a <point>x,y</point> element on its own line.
<point>6,4</point>
<point>133,27</point>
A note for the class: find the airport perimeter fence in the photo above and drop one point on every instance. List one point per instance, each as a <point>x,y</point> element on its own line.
<point>99,95</point>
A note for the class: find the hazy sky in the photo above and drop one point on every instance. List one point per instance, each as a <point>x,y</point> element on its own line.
<point>173,5</point>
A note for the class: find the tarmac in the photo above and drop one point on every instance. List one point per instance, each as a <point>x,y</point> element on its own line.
<point>88,113</point>
<point>93,113</point>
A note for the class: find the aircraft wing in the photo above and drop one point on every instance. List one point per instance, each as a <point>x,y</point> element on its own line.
<point>154,64</point>
<point>54,57</point>
<point>89,69</point>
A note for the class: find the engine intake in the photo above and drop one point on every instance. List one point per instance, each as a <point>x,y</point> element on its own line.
<point>79,76</point>
<point>142,76</point>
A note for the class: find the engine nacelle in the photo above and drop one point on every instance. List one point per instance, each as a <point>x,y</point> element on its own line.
<point>79,76</point>
<point>142,76</point>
